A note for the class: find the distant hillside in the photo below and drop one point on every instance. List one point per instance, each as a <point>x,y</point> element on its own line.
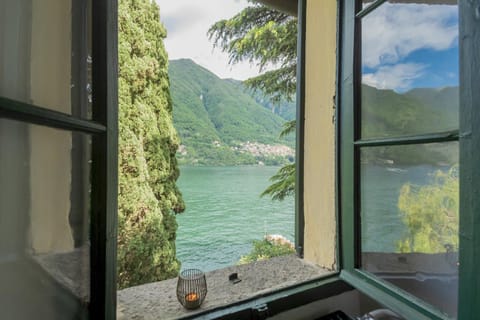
<point>419,111</point>
<point>219,123</point>
<point>222,123</point>
<point>285,109</point>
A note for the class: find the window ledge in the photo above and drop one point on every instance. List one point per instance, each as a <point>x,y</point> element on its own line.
<point>158,300</point>
<point>70,269</point>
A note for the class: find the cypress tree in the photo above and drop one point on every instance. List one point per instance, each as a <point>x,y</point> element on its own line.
<point>148,196</point>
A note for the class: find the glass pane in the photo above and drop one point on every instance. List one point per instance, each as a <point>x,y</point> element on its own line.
<point>44,222</point>
<point>409,219</point>
<point>44,54</point>
<point>410,69</point>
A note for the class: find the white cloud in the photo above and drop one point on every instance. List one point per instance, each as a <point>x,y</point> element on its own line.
<point>393,31</point>
<point>187,22</point>
<point>398,77</point>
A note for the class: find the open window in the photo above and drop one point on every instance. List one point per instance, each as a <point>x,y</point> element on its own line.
<point>403,84</point>
<point>39,191</point>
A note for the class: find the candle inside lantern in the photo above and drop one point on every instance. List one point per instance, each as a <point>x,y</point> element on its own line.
<point>191,288</point>
<point>191,297</point>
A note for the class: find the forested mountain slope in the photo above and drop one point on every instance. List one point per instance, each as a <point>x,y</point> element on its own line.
<point>216,118</point>
<point>386,113</point>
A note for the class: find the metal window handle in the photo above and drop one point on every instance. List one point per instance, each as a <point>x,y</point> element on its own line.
<point>380,314</point>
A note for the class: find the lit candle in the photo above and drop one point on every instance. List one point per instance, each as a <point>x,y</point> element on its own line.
<point>191,288</point>
<point>191,297</point>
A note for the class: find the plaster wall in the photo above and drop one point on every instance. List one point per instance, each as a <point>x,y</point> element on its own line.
<point>50,161</point>
<point>319,161</point>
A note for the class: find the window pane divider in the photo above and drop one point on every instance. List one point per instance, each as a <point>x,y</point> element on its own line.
<point>21,111</point>
<point>406,140</point>
<point>370,8</point>
<point>103,281</point>
<point>300,130</point>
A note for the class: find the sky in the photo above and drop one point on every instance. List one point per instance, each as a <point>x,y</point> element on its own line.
<point>408,46</point>
<point>187,23</point>
<point>404,45</point>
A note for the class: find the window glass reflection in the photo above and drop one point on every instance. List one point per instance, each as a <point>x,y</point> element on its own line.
<point>410,68</point>
<point>410,219</point>
<point>45,54</point>
<point>44,222</point>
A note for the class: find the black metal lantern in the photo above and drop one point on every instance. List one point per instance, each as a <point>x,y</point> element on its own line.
<point>191,288</point>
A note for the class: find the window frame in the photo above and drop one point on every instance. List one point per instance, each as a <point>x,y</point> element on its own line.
<point>349,143</point>
<point>103,128</point>
<point>300,128</point>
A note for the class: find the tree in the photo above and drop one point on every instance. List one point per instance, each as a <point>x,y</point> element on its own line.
<point>267,37</point>
<point>148,196</point>
<point>431,214</point>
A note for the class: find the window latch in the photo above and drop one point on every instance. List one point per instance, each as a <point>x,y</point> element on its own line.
<point>260,312</point>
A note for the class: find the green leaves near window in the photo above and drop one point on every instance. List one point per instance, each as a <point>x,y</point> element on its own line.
<point>431,214</point>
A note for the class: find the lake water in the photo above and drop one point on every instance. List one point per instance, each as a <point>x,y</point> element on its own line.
<point>225,212</point>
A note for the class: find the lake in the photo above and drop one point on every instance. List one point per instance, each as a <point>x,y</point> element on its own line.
<point>225,212</point>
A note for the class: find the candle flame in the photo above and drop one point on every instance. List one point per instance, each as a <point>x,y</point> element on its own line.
<point>191,297</point>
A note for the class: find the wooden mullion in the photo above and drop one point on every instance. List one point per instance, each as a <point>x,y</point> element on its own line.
<point>20,111</point>
<point>469,253</point>
<point>300,131</point>
<point>408,140</point>
<point>105,160</point>
<point>370,8</point>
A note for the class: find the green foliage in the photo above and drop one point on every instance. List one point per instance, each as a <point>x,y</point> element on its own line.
<point>431,214</point>
<point>148,196</point>
<point>264,36</point>
<point>283,183</point>
<point>266,249</point>
<point>284,108</point>
<point>288,128</point>
<point>213,116</point>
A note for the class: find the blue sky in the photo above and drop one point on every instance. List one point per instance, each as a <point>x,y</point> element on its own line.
<point>409,46</point>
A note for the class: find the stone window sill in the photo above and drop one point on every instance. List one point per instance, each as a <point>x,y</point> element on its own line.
<point>158,300</point>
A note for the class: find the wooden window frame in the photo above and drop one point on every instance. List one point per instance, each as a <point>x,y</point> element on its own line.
<point>349,143</point>
<point>104,130</point>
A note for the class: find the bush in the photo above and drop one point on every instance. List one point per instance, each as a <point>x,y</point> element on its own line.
<point>271,246</point>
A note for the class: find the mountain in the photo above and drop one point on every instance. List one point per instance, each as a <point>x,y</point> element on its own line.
<point>387,113</point>
<point>285,109</point>
<point>219,123</point>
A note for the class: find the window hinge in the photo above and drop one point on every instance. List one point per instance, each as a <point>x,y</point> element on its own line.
<point>260,312</point>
